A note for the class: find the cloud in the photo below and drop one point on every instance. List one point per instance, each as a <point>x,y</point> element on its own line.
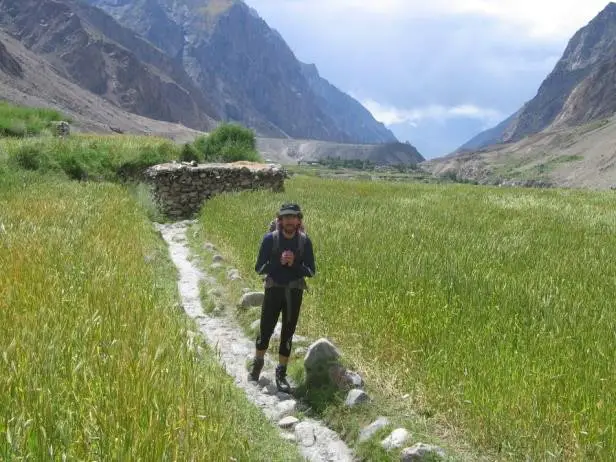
<point>548,19</point>
<point>455,67</point>
<point>391,115</point>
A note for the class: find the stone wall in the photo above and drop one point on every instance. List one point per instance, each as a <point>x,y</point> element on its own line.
<point>180,189</point>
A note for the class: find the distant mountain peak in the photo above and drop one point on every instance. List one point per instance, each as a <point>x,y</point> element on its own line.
<point>578,90</point>
<point>248,70</point>
<point>610,8</point>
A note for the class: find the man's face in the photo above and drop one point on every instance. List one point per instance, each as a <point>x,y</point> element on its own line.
<point>290,223</point>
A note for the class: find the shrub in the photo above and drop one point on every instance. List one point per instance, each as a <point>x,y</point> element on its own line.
<point>190,153</point>
<point>228,143</point>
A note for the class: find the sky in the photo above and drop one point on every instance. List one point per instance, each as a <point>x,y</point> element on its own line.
<point>436,73</point>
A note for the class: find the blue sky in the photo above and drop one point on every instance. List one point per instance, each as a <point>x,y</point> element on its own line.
<point>436,73</point>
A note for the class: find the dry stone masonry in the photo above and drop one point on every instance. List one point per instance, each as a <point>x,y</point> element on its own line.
<point>180,189</point>
<point>61,129</point>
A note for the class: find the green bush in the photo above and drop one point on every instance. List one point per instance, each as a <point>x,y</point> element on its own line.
<point>228,143</point>
<point>190,153</point>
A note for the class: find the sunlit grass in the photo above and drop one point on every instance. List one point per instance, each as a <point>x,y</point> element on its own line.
<point>91,157</point>
<point>493,307</point>
<point>96,361</point>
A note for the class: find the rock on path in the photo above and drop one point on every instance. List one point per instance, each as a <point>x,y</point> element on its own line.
<point>315,441</point>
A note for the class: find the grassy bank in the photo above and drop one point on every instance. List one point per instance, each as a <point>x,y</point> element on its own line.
<point>492,308</point>
<point>96,360</point>
<point>105,157</point>
<point>18,121</point>
<point>89,157</point>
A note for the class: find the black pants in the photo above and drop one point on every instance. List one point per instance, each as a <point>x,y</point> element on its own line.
<point>279,299</point>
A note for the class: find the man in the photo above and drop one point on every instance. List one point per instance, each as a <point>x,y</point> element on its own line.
<point>286,258</point>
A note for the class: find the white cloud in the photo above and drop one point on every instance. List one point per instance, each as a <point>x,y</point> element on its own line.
<point>391,115</point>
<point>548,19</point>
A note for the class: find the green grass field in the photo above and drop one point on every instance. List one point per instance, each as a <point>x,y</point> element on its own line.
<point>95,357</point>
<point>493,308</point>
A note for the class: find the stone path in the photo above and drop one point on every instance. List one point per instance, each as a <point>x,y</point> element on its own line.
<point>315,441</point>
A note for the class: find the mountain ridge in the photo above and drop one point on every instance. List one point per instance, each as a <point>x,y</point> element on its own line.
<point>127,71</point>
<point>247,67</point>
<point>565,135</point>
<point>558,101</point>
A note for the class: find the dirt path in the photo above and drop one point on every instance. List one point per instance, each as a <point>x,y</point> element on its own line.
<point>316,442</point>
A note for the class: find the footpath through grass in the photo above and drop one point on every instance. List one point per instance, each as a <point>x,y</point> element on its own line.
<point>96,361</point>
<point>493,308</point>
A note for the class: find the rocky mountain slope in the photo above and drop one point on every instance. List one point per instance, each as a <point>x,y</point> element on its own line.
<point>580,89</point>
<point>247,69</point>
<point>86,46</point>
<point>8,64</point>
<point>565,136</point>
<point>583,156</point>
<point>29,79</point>
<point>348,113</point>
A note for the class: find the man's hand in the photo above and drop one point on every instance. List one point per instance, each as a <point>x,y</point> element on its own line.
<point>288,258</point>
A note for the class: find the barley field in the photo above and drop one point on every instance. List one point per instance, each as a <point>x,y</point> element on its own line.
<point>492,307</point>
<point>96,361</point>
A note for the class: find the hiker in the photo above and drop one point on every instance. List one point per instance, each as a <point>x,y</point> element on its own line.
<point>286,258</point>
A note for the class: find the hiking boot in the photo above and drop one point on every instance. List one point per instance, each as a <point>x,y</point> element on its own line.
<point>281,380</point>
<point>255,372</point>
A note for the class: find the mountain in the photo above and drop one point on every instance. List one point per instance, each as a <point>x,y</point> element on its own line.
<point>247,69</point>
<point>8,64</point>
<point>582,157</point>
<point>86,46</point>
<point>28,79</point>
<point>580,89</point>
<point>488,137</point>
<point>348,113</point>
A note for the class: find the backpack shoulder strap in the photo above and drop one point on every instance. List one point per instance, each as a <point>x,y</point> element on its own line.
<point>276,245</point>
<point>301,244</point>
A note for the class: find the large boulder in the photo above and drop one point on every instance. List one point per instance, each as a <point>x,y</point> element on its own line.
<point>322,356</point>
<point>321,351</point>
<point>323,368</point>
<point>61,129</point>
